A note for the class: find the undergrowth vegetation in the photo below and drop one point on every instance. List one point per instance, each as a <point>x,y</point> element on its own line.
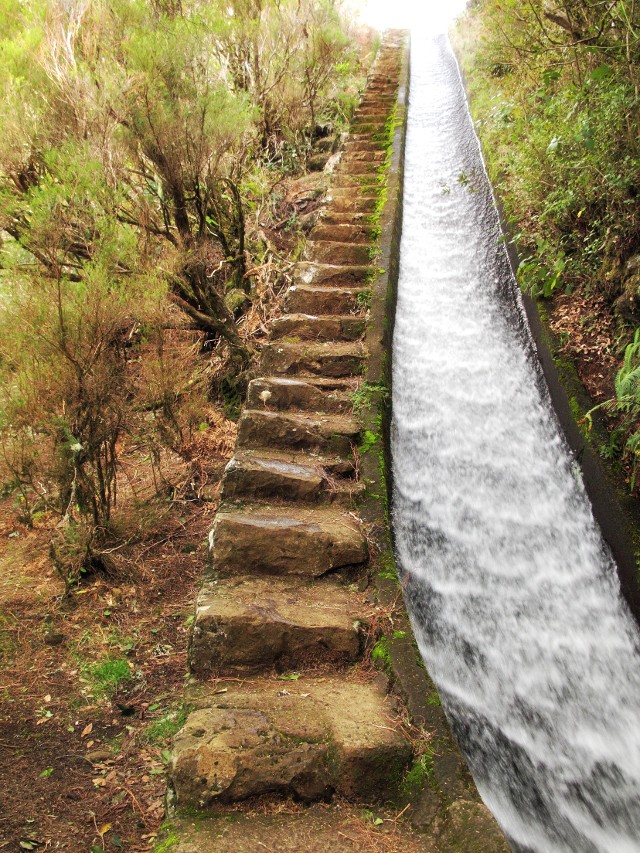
<point>144,159</point>
<point>555,98</point>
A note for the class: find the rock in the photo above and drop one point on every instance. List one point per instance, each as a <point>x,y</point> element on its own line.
<point>98,755</point>
<point>627,305</point>
<point>264,479</point>
<point>310,299</point>
<point>344,232</point>
<point>331,359</point>
<point>286,540</point>
<point>306,738</point>
<point>307,221</point>
<point>362,145</point>
<point>250,623</point>
<point>345,200</point>
<point>52,638</point>
<point>332,217</point>
<point>334,434</point>
<point>317,162</point>
<point>633,265</point>
<point>255,476</point>
<point>314,394</point>
<point>333,465</point>
<point>235,299</point>
<point>312,273</point>
<point>366,155</point>
<point>338,254</point>
<point>326,145</point>
<point>310,327</point>
<point>358,167</point>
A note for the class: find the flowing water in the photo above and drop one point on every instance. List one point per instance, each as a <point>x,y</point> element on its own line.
<point>513,595</point>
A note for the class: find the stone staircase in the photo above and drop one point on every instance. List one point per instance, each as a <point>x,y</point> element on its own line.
<point>284,613</point>
<point>289,553</point>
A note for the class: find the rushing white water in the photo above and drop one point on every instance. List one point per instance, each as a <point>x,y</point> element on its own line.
<point>513,594</point>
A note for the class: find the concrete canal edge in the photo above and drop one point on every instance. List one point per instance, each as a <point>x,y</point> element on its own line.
<point>447,772</point>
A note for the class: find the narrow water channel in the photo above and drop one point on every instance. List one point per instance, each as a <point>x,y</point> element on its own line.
<point>513,595</point>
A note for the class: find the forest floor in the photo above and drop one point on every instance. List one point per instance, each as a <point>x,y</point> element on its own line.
<point>91,683</point>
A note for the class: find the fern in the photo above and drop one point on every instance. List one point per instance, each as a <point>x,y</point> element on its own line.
<point>627,404</point>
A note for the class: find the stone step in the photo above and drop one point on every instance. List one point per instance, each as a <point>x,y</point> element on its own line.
<point>308,272</point>
<point>336,193</point>
<point>363,145</point>
<point>255,478</point>
<point>353,155</point>
<point>247,624</point>
<point>357,168</point>
<point>367,114</point>
<point>330,217</point>
<point>337,254</point>
<point>350,203</point>
<point>371,126</point>
<point>370,116</point>
<point>311,394</point>
<point>333,434</point>
<point>372,98</point>
<point>378,138</point>
<point>307,739</point>
<point>308,299</point>
<point>335,466</point>
<point>325,358</point>
<point>372,182</point>
<point>286,540</point>
<point>310,327</point>
<point>323,146</point>
<point>344,232</point>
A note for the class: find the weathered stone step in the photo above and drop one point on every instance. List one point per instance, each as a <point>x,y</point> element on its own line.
<point>352,203</point>
<point>336,466</point>
<point>336,193</point>
<point>363,146</point>
<point>353,155</point>
<point>307,272</point>
<point>357,168</point>
<point>286,540</point>
<point>327,358</point>
<point>297,430</point>
<point>330,217</point>
<point>371,182</point>
<point>374,98</point>
<point>378,138</point>
<point>311,327</point>
<point>368,183</point>
<point>307,739</point>
<point>255,478</point>
<point>311,394</point>
<point>369,114</point>
<point>245,624</point>
<point>365,125</point>
<point>337,254</point>
<point>344,232</point>
<point>307,299</point>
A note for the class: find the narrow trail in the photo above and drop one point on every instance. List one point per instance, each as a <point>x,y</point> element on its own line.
<point>513,594</point>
